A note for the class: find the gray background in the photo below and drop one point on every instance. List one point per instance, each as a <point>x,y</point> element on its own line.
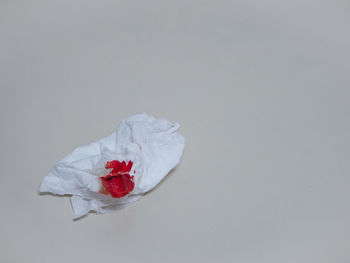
<point>261,89</point>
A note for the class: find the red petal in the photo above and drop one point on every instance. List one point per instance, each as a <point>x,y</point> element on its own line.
<point>118,182</point>
<point>119,186</point>
<point>113,164</point>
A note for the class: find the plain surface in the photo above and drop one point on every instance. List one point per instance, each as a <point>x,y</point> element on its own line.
<point>261,89</point>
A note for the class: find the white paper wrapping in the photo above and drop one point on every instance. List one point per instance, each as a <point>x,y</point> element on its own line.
<point>153,145</point>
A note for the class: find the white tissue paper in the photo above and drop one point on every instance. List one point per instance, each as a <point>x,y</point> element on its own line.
<point>153,146</point>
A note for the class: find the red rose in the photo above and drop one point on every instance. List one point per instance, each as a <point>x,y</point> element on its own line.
<point>118,182</point>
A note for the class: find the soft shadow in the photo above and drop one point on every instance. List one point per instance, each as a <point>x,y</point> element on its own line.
<point>81,217</point>
<point>51,194</point>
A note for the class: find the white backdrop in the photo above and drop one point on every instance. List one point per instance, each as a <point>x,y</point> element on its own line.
<point>260,88</point>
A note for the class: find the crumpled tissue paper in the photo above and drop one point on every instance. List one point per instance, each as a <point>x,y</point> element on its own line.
<point>143,150</point>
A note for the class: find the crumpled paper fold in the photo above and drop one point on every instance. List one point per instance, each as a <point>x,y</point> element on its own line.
<point>153,145</point>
